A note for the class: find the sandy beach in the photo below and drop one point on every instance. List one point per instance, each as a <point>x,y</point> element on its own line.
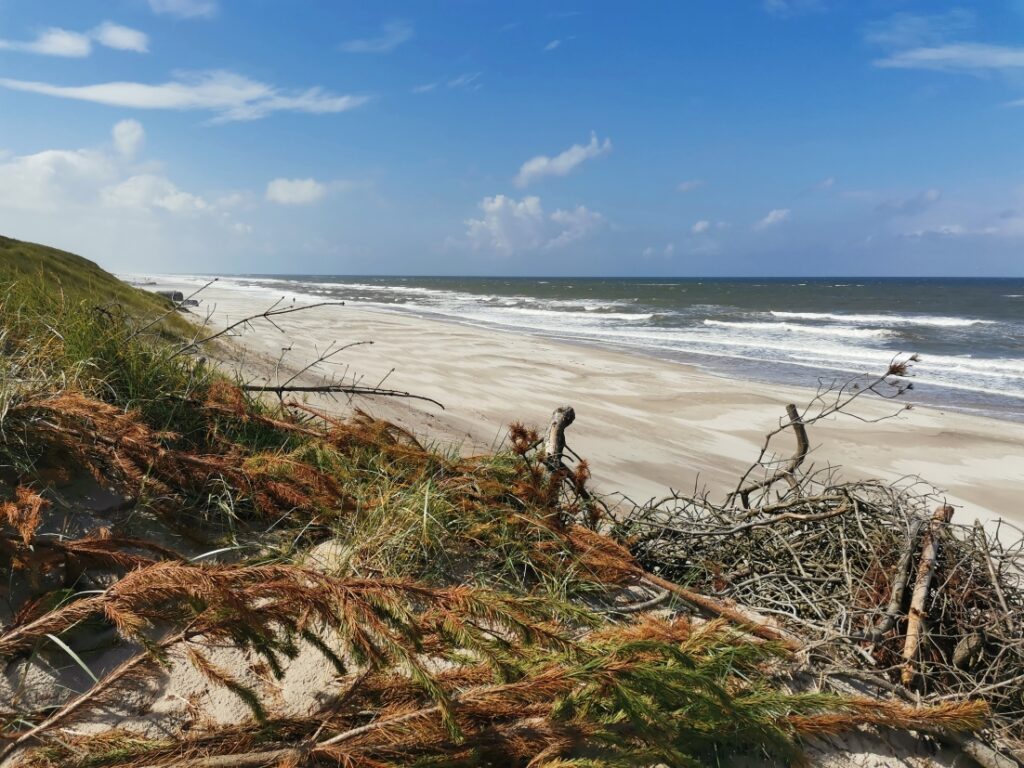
<point>645,425</point>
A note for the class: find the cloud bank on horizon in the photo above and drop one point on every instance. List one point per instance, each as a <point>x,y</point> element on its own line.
<point>826,138</point>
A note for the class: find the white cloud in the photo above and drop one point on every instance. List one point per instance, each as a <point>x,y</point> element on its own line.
<point>576,224</point>
<point>65,43</point>
<point>909,30</point>
<point>974,58</point>
<point>121,38</point>
<point>689,186</point>
<point>700,227</point>
<point>108,206</point>
<point>552,45</point>
<point>53,42</point>
<point>563,163</point>
<point>774,216</point>
<point>227,95</point>
<point>185,9</point>
<point>466,80</point>
<point>146,191</point>
<point>295,191</point>
<point>827,183</point>
<point>76,182</point>
<point>392,35</point>
<point>425,88</point>
<point>54,179</point>
<point>512,226</point>
<point>128,137</point>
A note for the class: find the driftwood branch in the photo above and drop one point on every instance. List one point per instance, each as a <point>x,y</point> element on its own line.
<point>347,389</point>
<point>899,587</point>
<point>275,310</point>
<point>918,603</point>
<point>787,473</point>
<point>554,446</point>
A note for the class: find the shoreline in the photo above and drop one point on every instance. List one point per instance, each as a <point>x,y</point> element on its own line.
<point>646,424</point>
<point>785,360</point>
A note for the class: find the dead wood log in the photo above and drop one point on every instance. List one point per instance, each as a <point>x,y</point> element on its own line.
<point>918,603</point>
<point>554,446</point>
<point>899,587</point>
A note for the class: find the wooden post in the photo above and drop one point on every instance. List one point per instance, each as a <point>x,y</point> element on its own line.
<point>918,608</point>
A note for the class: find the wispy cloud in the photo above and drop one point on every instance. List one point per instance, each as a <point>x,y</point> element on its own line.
<point>974,58</point>
<point>66,43</point>
<point>227,95</point>
<point>469,81</point>
<point>563,163</point>
<point>910,206</point>
<point>52,42</point>
<point>910,30</point>
<point>690,185</point>
<point>392,35</point>
<point>553,45</point>
<point>774,216</point>
<point>185,9</point>
<point>466,80</point>
<point>791,7</point>
<point>700,227</point>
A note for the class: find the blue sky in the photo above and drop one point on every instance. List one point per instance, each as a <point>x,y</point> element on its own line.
<point>739,137</point>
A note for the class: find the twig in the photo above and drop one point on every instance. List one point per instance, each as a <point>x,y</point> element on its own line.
<point>267,315</point>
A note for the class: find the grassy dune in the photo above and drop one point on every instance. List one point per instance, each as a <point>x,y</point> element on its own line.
<point>78,278</point>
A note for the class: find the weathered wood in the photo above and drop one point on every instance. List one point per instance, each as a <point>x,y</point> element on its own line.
<point>787,473</point>
<point>899,587</point>
<point>918,603</point>
<point>554,446</point>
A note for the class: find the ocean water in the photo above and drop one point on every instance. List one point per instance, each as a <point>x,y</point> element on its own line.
<point>968,332</point>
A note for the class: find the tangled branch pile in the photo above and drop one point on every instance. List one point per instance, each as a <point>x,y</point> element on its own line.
<point>161,525</point>
<point>884,588</point>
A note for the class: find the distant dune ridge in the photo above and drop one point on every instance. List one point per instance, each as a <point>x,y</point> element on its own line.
<point>199,573</point>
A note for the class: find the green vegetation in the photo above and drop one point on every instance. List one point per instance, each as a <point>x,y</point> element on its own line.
<point>77,278</point>
<point>471,608</point>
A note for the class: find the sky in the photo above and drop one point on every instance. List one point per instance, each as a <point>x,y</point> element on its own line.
<point>583,137</point>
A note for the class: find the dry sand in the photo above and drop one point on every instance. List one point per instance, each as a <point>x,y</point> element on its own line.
<point>645,425</point>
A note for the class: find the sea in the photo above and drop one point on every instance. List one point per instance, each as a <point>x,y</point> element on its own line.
<point>968,333</point>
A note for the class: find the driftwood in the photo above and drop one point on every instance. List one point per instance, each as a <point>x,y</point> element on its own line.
<point>554,446</point>
<point>346,389</point>
<point>918,611</point>
<point>899,587</point>
<point>787,473</point>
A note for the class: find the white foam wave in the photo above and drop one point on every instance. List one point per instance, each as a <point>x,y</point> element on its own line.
<point>820,330</point>
<point>933,320</point>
